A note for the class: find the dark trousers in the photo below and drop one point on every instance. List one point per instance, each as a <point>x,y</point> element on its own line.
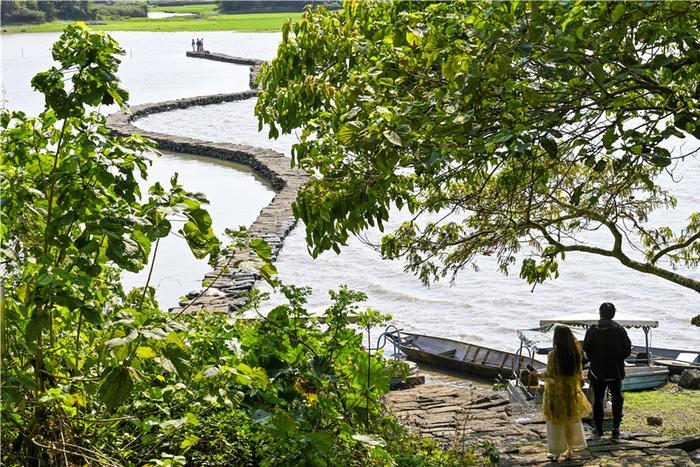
<point>599,387</point>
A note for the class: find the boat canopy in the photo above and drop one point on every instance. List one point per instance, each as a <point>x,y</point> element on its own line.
<point>539,340</point>
<point>587,319</point>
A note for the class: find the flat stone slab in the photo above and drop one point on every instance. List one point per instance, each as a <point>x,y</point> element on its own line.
<point>463,417</point>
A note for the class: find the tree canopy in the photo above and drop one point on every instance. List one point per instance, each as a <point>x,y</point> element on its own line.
<point>271,6</point>
<point>510,129</point>
<point>92,375</point>
<point>39,11</point>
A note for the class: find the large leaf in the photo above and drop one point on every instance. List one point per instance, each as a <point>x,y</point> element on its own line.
<point>116,387</point>
<point>393,138</point>
<point>369,440</point>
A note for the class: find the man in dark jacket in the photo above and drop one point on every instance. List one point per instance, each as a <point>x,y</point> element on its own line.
<point>607,346</point>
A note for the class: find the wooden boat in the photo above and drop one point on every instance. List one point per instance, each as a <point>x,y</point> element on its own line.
<point>638,378</point>
<point>461,356</point>
<point>675,360</point>
<point>643,373</point>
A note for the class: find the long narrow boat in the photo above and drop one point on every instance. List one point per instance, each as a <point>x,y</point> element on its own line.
<point>675,360</point>
<point>461,356</point>
<point>642,374</point>
<point>483,361</point>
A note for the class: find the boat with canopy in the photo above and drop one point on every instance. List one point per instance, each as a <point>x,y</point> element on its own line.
<point>640,373</point>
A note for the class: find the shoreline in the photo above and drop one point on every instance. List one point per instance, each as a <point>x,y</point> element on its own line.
<point>467,416</point>
<point>253,22</point>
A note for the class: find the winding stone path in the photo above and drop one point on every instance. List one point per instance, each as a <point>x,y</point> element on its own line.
<point>228,284</point>
<point>451,415</point>
<point>219,57</point>
<point>460,417</point>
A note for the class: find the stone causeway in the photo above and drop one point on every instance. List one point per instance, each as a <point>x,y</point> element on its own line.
<point>227,284</point>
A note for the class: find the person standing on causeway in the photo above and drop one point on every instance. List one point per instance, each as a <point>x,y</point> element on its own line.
<point>607,346</point>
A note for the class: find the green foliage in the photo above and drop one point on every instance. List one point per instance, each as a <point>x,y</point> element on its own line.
<point>504,128</point>
<point>114,9</point>
<point>72,217</point>
<point>31,12</point>
<point>92,375</point>
<point>22,12</point>
<point>500,383</point>
<point>18,12</point>
<point>272,6</point>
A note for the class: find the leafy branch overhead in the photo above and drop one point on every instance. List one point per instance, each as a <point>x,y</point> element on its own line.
<point>512,129</point>
<point>93,375</point>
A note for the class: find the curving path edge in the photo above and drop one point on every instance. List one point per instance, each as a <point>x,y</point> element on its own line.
<point>226,288</point>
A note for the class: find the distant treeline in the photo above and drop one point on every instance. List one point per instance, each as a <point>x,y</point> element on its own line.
<point>33,11</point>
<point>263,6</point>
<point>180,2</point>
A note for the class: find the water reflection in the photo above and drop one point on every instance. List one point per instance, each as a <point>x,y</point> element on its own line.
<point>236,196</point>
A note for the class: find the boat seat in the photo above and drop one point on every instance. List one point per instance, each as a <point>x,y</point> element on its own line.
<point>448,353</point>
<point>469,355</point>
<point>687,357</point>
<point>640,359</point>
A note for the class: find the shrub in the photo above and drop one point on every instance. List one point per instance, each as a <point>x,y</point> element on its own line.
<point>13,12</point>
<point>119,10</point>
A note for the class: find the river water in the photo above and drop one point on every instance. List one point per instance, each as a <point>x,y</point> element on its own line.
<point>154,68</point>
<point>481,306</point>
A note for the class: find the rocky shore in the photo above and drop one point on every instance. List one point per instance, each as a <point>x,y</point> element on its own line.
<point>458,416</point>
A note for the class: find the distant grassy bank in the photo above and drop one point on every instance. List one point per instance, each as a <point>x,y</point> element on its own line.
<point>208,8</point>
<point>205,18</point>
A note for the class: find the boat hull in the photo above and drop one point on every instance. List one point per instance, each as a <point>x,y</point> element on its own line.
<point>639,378</point>
<point>675,360</point>
<point>490,363</point>
<point>463,357</point>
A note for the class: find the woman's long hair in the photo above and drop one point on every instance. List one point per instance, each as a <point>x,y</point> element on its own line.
<point>568,354</point>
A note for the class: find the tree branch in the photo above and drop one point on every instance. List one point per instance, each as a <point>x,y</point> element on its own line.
<point>677,246</point>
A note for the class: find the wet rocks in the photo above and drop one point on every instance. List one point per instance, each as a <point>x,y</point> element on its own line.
<point>695,456</point>
<point>690,379</point>
<point>686,443</point>
<point>205,292</point>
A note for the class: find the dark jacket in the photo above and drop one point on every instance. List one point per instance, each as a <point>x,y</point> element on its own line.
<point>607,346</point>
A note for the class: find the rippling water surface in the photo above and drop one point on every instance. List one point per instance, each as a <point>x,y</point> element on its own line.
<point>482,307</point>
<point>155,68</point>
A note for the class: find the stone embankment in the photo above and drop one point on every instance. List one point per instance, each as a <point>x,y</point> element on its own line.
<point>226,284</point>
<point>460,417</point>
<point>218,57</point>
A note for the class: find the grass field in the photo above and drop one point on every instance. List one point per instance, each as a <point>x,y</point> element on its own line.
<point>205,18</point>
<point>208,8</point>
<point>679,410</point>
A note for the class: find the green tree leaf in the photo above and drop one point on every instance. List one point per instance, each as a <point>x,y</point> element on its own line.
<point>116,387</point>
